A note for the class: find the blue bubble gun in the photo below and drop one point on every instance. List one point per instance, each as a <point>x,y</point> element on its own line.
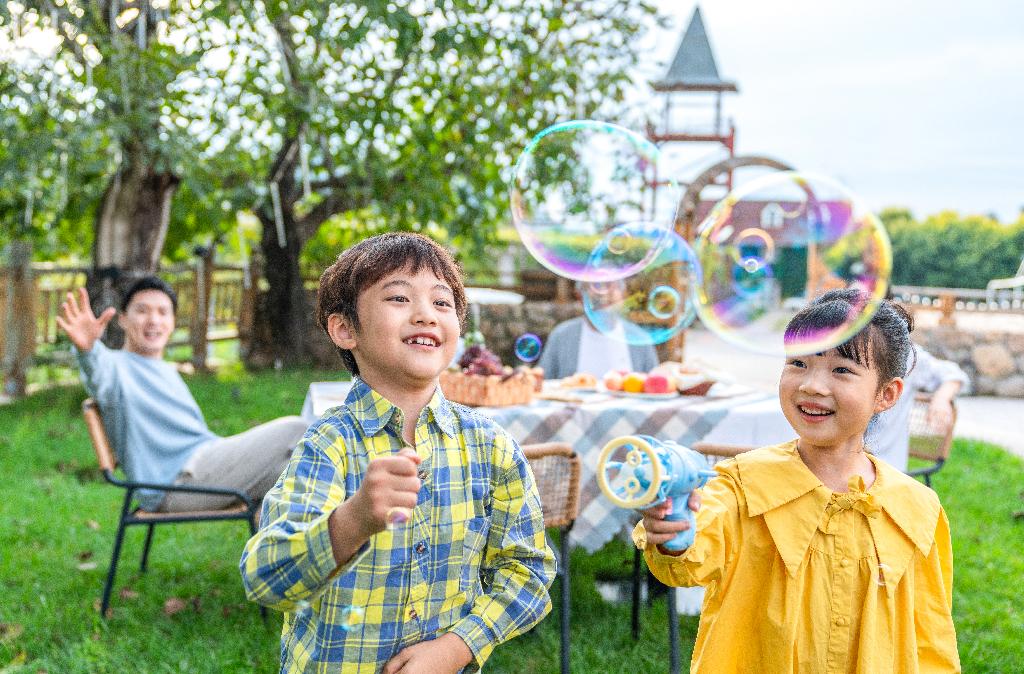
<point>637,471</point>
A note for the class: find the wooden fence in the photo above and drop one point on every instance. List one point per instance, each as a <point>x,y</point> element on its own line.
<point>949,301</point>
<point>214,303</point>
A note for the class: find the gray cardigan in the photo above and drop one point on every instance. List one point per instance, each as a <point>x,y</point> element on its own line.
<point>562,351</point>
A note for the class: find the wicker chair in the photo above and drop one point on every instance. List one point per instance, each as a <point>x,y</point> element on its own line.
<point>927,442</point>
<point>246,510</point>
<point>556,468</point>
<point>714,452</point>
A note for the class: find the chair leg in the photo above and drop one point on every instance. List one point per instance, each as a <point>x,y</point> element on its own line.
<point>635,617</point>
<point>112,571</point>
<point>564,546</point>
<point>145,550</point>
<point>673,632</point>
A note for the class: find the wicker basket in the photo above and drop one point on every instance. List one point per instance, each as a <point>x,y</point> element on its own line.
<point>487,390</point>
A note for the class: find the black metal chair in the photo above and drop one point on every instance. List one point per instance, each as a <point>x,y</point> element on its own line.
<point>246,510</point>
<point>926,442</point>
<point>556,467</point>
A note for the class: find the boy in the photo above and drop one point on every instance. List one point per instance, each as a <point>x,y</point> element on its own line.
<point>469,566</point>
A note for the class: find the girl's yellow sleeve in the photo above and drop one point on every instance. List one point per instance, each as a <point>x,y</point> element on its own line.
<point>933,602</point>
<point>714,545</point>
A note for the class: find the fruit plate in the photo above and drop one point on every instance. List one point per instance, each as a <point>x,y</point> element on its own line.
<point>644,396</point>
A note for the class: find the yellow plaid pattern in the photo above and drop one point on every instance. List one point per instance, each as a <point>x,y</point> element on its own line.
<point>472,559</point>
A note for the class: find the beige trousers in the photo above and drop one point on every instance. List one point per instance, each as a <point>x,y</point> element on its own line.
<point>249,462</point>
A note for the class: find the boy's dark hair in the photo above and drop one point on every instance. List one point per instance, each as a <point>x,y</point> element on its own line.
<point>368,262</point>
<point>150,283</point>
<point>884,343</point>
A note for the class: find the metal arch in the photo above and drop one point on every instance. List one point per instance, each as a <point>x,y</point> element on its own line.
<point>687,210</point>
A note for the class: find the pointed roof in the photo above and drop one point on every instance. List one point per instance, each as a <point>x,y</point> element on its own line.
<point>693,68</point>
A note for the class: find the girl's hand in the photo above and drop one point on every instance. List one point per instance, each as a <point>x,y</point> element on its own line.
<point>659,530</point>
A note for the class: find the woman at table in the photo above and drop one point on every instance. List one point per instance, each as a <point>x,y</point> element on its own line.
<point>577,346</point>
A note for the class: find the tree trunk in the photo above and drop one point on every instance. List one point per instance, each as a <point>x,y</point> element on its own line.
<point>284,331</point>
<point>131,225</point>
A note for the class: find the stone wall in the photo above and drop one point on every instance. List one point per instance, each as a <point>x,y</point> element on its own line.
<point>502,324</point>
<point>993,360</point>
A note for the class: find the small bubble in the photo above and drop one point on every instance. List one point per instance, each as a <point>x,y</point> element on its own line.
<point>882,569</point>
<point>527,347</point>
<point>352,617</point>
<point>663,301</point>
<point>618,242</point>
<point>396,517</point>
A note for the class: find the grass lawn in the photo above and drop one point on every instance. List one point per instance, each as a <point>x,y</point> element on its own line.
<point>57,523</point>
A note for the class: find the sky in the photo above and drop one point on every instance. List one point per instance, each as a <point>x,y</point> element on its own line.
<point>908,103</point>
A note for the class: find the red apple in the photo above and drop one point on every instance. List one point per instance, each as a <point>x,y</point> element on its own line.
<point>658,383</point>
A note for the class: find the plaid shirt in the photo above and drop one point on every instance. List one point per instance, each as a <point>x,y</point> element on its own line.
<point>472,560</point>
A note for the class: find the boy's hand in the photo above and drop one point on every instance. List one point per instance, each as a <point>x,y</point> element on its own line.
<point>78,321</point>
<point>390,483</point>
<point>659,530</point>
<point>446,654</point>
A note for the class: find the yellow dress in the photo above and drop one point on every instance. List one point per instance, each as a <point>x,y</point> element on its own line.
<point>799,578</point>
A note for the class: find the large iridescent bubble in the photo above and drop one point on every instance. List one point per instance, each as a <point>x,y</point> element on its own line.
<point>775,243</point>
<point>577,181</point>
<point>653,304</point>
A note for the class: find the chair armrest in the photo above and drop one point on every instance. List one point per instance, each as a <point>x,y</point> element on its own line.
<point>194,489</point>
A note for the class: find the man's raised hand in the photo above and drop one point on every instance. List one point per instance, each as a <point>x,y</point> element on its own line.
<point>81,325</point>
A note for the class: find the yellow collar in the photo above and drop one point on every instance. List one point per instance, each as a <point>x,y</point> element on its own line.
<point>901,512</point>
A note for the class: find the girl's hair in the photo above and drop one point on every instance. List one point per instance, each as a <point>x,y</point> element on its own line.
<point>369,261</point>
<point>883,344</point>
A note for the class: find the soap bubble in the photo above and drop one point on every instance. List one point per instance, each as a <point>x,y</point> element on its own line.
<point>396,517</point>
<point>577,182</point>
<point>351,617</point>
<point>527,347</point>
<point>775,243</point>
<point>652,305</point>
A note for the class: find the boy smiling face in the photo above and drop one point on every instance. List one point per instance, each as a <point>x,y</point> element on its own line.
<point>408,329</point>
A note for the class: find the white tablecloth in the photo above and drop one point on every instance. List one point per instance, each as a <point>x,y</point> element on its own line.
<point>729,415</point>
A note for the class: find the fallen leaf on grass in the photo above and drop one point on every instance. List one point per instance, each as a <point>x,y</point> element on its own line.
<point>84,555</point>
<point>9,632</point>
<point>93,524</point>
<point>128,593</point>
<point>174,605</point>
<point>87,566</point>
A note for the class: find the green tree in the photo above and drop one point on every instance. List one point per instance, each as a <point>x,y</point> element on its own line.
<point>384,115</point>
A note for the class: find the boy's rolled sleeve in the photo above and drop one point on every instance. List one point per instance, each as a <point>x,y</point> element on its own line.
<point>518,563</point>
<point>291,558</point>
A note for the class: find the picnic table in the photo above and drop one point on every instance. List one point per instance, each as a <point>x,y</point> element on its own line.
<point>728,414</point>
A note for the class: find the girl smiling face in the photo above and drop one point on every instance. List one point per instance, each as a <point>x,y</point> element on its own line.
<point>829,398</point>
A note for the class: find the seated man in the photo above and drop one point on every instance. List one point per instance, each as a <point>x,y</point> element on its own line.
<point>576,346</point>
<point>888,435</point>
<point>154,423</point>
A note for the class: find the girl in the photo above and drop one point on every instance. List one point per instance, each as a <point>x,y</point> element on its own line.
<point>816,556</point>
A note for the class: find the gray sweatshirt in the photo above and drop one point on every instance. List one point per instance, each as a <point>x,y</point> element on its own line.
<point>151,417</point>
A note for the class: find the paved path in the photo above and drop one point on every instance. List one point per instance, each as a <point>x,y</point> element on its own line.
<point>996,420</point>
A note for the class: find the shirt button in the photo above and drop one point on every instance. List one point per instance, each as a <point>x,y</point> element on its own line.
<point>412,613</point>
<point>841,621</point>
<point>421,547</point>
<point>422,475</point>
<point>845,563</point>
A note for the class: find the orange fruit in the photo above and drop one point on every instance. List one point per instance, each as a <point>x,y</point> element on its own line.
<point>633,382</point>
